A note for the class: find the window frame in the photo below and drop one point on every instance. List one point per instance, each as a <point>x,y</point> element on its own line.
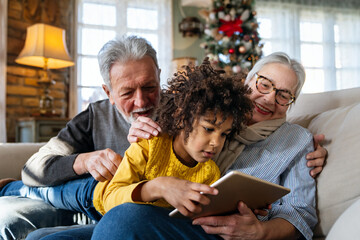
<point>289,39</point>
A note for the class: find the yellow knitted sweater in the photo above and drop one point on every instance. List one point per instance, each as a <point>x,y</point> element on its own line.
<point>144,161</point>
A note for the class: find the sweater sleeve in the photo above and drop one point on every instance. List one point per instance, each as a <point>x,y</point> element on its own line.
<point>53,163</point>
<point>128,176</point>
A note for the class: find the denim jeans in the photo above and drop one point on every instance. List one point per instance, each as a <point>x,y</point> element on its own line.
<point>130,221</point>
<point>143,221</point>
<point>76,232</point>
<point>75,195</point>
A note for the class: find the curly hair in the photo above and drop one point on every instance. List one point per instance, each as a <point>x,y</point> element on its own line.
<point>195,91</point>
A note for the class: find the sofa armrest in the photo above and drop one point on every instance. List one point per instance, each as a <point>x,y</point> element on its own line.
<point>346,226</point>
<point>13,157</point>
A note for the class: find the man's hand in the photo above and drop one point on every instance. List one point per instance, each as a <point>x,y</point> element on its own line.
<point>143,127</point>
<point>101,164</point>
<point>318,157</point>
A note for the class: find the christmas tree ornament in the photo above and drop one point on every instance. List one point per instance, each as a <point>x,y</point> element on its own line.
<point>245,15</point>
<point>242,49</point>
<point>231,35</point>
<point>236,69</point>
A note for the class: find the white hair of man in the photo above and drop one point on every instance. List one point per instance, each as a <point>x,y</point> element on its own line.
<point>282,58</point>
<point>123,49</point>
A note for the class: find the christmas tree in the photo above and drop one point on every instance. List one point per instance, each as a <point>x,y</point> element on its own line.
<point>232,40</point>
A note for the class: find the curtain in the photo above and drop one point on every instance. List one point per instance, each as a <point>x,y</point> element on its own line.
<point>3,36</point>
<point>323,35</point>
<point>164,32</point>
<point>351,4</point>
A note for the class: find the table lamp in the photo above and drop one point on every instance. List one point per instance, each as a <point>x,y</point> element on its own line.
<point>45,47</point>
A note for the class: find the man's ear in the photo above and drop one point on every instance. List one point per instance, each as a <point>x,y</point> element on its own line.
<point>108,93</point>
<point>159,74</point>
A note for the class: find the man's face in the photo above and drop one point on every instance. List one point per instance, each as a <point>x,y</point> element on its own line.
<point>135,88</point>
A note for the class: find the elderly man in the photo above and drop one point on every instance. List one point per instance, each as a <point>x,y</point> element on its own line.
<point>95,140</point>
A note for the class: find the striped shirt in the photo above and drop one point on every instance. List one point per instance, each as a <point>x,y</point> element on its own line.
<point>280,159</point>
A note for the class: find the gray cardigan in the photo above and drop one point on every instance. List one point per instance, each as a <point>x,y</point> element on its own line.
<point>99,127</point>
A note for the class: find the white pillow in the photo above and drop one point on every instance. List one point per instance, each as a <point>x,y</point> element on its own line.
<point>346,226</point>
<point>338,184</point>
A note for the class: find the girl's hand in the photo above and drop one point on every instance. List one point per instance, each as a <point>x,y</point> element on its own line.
<point>184,195</point>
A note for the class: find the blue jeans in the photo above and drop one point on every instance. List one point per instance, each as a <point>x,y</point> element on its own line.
<point>75,195</point>
<point>76,232</point>
<point>130,221</point>
<point>142,221</point>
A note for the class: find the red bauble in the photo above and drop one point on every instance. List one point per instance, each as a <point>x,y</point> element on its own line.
<point>231,50</point>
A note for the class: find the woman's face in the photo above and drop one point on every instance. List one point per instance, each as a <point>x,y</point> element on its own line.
<point>265,106</point>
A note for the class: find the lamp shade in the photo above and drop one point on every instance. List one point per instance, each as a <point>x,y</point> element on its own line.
<point>45,47</point>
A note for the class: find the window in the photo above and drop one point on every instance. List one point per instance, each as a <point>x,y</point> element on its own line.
<point>99,21</point>
<point>324,39</point>
<point>3,37</point>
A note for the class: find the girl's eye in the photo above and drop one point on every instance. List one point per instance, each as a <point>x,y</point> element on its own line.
<point>208,129</point>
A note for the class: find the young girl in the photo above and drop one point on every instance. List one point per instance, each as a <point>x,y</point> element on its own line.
<point>198,111</point>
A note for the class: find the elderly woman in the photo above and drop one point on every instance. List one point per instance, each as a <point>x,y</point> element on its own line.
<point>270,148</point>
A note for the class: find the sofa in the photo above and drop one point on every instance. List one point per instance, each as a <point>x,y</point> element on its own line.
<point>335,114</point>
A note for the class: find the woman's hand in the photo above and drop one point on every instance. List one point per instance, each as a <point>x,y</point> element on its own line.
<point>181,194</point>
<point>245,225</point>
<point>317,158</point>
<point>242,225</point>
<point>143,127</point>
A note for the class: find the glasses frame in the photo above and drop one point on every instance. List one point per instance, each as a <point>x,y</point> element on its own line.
<point>274,89</point>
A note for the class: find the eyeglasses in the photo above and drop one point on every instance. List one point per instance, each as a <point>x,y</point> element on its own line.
<point>266,86</point>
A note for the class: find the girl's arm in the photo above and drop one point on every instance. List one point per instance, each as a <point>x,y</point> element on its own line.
<point>181,194</point>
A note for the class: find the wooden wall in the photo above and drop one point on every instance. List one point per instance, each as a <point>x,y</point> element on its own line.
<point>22,98</point>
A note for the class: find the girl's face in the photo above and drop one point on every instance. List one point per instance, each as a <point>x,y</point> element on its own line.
<point>205,141</point>
<point>265,106</point>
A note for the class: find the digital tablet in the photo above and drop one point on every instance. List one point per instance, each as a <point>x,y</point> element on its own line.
<point>236,186</point>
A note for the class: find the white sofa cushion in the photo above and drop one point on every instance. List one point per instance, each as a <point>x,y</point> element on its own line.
<point>13,157</point>
<point>338,184</point>
<point>346,226</point>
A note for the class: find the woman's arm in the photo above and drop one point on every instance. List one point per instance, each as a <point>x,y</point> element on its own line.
<point>316,159</point>
<point>245,225</point>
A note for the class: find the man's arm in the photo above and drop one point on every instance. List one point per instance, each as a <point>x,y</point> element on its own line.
<point>51,165</point>
<point>70,154</point>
